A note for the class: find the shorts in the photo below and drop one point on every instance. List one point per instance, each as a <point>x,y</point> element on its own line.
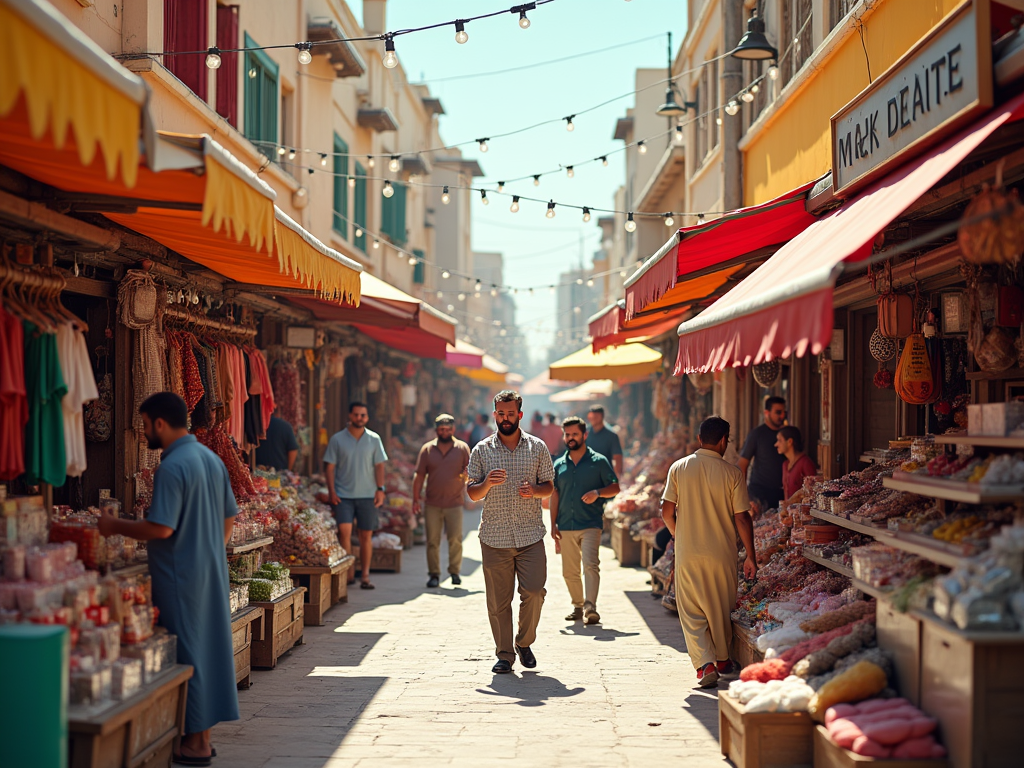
<point>361,511</point>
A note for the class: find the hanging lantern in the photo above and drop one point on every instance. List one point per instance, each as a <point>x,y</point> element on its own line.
<point>767,373</point>
<point>995,240</point>
<point>702,382</point>
<point>882,349</point>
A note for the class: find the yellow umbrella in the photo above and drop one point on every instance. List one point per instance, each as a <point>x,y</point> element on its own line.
<point>624,361</point>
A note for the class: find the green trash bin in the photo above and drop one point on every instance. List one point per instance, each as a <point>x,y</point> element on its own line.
<point>33,695</point>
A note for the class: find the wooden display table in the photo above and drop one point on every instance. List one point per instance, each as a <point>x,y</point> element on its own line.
<point>765,739</point>
<point>828,755</point>
<point>282,628</point>
<point>627,551</point>
<point>322,583</point>
<point>381,559</point>
<point>246,626</point>
<point>137,731</point>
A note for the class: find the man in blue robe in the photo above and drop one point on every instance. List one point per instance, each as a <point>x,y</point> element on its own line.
<point>188,526</point>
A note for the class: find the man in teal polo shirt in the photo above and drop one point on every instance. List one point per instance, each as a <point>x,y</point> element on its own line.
<point>584,479</point>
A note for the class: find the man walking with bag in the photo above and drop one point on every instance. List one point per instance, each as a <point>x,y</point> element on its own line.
<point>442,463</point>
<point>511,471</point>
<point>583,480</point>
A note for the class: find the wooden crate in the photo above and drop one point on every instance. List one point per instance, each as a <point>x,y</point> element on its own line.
<point>645,554</point>
<point>627,551</point>
<point>325,587</point>
<point>339,580</point>
<point>828,755</point>
<point>764,740</point>
<point>900,635</point>
<point>381,560</point>
<point>246,625</point>
<point>743,648</point>
<point>973,683</point>
<point>282,628</point>
<point>137,731</point>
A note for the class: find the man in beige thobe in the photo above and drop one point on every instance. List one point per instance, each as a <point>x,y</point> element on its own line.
<point>704,504</point>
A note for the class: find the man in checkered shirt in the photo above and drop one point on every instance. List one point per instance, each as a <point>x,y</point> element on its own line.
<point>512,471</point>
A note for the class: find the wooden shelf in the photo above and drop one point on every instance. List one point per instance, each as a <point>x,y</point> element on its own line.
<point>870,530</point>
<point>956,491</point>
<point>130,570</point>
<point>106,714</point>
<point>876,592</point>
<point>249,546</point>
<point>842,570</point>
<point>1012,373</point>
<point>1011,443</point>
<point>978,636</point>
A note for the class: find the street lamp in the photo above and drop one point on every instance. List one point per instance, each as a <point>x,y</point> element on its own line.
<point>671,108</point>
<point>754,46</point>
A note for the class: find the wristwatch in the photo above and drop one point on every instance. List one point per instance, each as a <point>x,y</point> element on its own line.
<point>382,489</point>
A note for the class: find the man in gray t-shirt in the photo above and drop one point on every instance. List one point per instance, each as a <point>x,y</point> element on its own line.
<point>354,465</point>
<point>764,481</point>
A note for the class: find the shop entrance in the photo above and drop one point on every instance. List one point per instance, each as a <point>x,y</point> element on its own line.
<point>874,417</point>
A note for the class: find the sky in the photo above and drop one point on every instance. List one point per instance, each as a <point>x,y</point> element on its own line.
<point>537,249</point>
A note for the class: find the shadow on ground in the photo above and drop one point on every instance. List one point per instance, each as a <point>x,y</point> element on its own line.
<point>663,623</point>
<point>531,690</point>
<point>702,705</point>
<point>596,631</point>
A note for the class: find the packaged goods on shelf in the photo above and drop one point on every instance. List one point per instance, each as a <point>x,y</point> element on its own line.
<point>884,728</point>
<point>22,521</point>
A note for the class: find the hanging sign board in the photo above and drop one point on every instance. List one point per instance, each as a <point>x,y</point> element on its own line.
<point>935,88</point>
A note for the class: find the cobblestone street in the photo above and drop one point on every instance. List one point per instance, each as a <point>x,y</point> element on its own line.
<point>401,676</point>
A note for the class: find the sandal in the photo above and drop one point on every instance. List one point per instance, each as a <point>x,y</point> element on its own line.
<point>366,585</point>
<point>179,759</point>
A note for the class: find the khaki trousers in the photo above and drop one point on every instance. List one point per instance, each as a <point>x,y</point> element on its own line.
<point>502,567</point>
<point>449,519</point>
<point>705,596</point>
<point>582,546</point>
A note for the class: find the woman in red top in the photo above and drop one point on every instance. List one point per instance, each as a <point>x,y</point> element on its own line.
<point>798,465</point>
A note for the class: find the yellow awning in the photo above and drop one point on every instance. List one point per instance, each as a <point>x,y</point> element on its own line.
<point>625,361</point>
<point>61,92</point>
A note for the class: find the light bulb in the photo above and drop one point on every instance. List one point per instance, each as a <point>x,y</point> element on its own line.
<point>390,58</point>
<point>669,221</point>
<point>641,148</point>
<point>478,287</point>
<point>440,294</point>
<point>604,161</point>
<point>586,215</point>
<point>483,197</point>
<point>747,97</point>
<point>755,88</point>
<point>445,274</point>
<point>551,210</point>
<point>577,310</point>
<point>451,307</point>
<point>630,224</point>
<point>515,204</point>
<point>700,218</point>
<point>445,197</point>
<point>502,332</point>
<point>351,182</point>
<point>281,150</point>
<point>412,261</point>
<point>568,124</point>
<point>501,186</point>
<point>551,289</point>
<point>460,32</point>
<point>252,73</point>
<point>370,162</point>
<point>393,164</point>
<point>524,23</point>
<point>482,143</point>
<point>718,119</point>
<point>304,55</point>
<point>213,58</point>
<point>579,281</point>
<point>622,273</point>
<point>732,108</point>
<point>376,245</point>
<point>536,180</point>
<point>773,72</point>
<point>679,134</point>
<point>494,291</point>
<point>590,283</point>
<point>291,154</point>
<point>570,172</point>
<point>462,297</point>
<point>359,232</point>
<point>388,190</point>
<point>323,160</point>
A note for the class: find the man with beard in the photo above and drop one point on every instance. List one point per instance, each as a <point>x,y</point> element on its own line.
<point>511,471</point>
<point>442,462</point>
<point>354,465</point>
<point>188,524</point>
<point>764,482</point>
<point>583,480</point>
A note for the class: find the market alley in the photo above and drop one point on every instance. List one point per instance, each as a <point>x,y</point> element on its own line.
<point>402,676</point>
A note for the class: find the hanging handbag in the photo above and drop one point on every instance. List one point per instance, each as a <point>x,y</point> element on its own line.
<point>895,315</point>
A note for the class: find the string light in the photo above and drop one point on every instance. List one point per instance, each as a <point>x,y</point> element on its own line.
<point>669,221</point>
<point>570,172</point>
<point>478,287</point>
<point>291,154</point>
<point>604,160</point>
<point>445,196</point>
<point>579,281</point>
<point>514,208</point>
<point>641,147</point>
<point>393,164</point>
<point>630,224</point>
<point>483,197</point>
<point>440,294</point>
<point>590,283</point>
<point>390,58</point>
<point>755,88</point>
<point>551,210</point>
<point>700,218</point>
<point>252,73</point>
<point>351,182</point>
<point>773,72</point>
<point>213,60</point>
<point>281,150</point>
<point>494,291</point>
<point>622,273</point>
<point>359,232</point>
<point>462,297</point>
<point>524,23</point>
<point>460,32</point>
<point>482,143</point>
<point>304,55</point>
<point>413,261</point>
<point>568,124</point>
<point>586,214</point>
<point>747,97</point>
<point>501,186</point>
<point>388,190</point>
<point>732,107</point>
<point>370,162</point>
<point>536,180</point>
<point>323,160</point>
<point>445,274</point>
<point>551,289</point>
<point>376,244</point>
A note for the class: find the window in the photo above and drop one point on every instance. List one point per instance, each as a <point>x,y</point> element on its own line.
<point>392,214</point>
<point>701,97</point>
<point>340,187</point>
<point>418,272</point>
<point>260,96</point>
<point>227,75</point>
<point>359,206</point>
<point>797,41</point>
<point>838,10</point>
<point>185,23</point>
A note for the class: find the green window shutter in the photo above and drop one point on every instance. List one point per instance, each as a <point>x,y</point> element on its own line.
<point>340,187</point>
<point>359,205</point>
<point>419,270</point>
<point>393,214</point>
<point>260,96</point>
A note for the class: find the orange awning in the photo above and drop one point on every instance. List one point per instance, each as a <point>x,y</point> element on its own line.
<point>609,327</point>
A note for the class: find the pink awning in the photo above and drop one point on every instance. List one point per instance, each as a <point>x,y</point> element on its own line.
<point>707,249</point>
<point>464,354</point>
<point>785,306</point>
